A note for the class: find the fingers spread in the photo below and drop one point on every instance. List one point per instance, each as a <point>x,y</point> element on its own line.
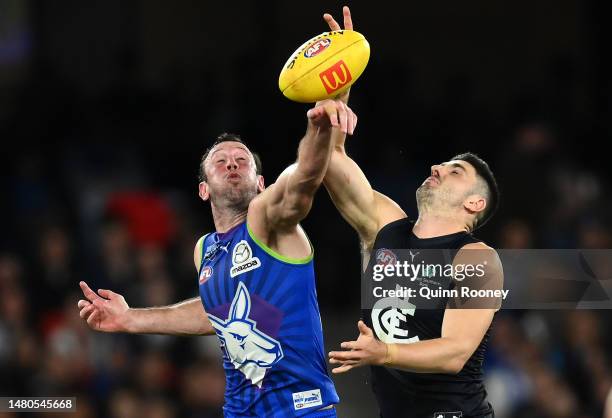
<point>348,21</point>
<point>333,25</point>
<point>92,318</point>
<point>363,328</point>
<point>342,369</point>
<point>83,303</point>
<point>105,293</point>
<point>86,311</point>
<point>350,345</point>
<point>345,355</point>
<point>89,294</point>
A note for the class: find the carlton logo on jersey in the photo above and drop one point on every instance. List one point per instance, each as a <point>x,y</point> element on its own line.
<point>388,316</point>
<point>457,414</point>
<point>251,351</point>
<point>242,259</point>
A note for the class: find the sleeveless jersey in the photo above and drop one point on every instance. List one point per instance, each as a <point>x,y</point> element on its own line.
<point>402,394</point>
<point>264,309</point>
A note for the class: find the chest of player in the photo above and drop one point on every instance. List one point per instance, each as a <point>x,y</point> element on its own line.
<point>409,282</point>
<point>409,292</point>
<point>227,260</point>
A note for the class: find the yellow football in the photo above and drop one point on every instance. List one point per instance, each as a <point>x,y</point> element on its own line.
<point>324,66</point>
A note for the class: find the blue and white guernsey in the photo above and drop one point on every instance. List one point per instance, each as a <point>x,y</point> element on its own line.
<point>264,309</point>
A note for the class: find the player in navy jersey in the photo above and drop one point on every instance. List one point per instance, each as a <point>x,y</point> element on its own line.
<point>426,363</point>
<point>256,279</point>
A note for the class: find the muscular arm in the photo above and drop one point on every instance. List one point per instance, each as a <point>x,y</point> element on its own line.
<point>107,311</point>
<point>273,216</point>
<point>184,318</point>
<point>289,199</point>
<point>462,332</point>
<point>365,209</point>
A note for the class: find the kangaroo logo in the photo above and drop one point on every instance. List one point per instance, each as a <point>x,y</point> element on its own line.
<point>251,351</point>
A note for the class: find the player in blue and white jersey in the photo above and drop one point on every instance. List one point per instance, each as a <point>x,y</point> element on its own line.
<point>256,279</point>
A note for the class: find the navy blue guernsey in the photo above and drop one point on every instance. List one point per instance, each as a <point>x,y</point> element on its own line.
<point>402,394</point>
<point>264,309</point>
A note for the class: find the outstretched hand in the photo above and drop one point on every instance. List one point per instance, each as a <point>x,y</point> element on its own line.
<point>333,25</point>
<point>104,311</point>
<point>365,350</point>
<point>348,25</point>
<point>333,113</point>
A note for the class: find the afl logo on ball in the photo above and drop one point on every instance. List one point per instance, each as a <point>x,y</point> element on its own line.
<point>385,257</point>
<point>205,274</point>
<point>317,47</point>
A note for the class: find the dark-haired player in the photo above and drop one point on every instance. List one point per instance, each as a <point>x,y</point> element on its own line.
<point>426,363</point>
<point>256,279</point>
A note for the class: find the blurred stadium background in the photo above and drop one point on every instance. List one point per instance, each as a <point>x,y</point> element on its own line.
<point>106,108</point>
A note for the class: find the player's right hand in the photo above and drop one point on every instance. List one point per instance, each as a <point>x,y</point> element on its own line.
<point>104,311</point>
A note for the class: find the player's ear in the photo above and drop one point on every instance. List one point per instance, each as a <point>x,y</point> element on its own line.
<point>475,203</point>
<point>260,183</point>
<point>203,191</point>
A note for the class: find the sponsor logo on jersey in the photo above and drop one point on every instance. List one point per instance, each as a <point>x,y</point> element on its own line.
<point>317,47</point>
<point>385,257</point>
<point>242,259</point>
<point>205,274</point>
<point>213,249</point>
<point>250,350</point>
<point>307,399</point>
<point>335,77</point>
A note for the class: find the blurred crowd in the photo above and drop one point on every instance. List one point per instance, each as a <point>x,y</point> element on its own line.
<point>101,218</point>
<point>99,184</point>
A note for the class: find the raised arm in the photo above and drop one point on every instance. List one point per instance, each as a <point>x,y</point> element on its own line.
<point>365,209</point>
<point>286,202</point>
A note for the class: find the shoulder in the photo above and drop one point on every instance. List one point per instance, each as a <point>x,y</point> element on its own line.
<point>478,250</point>
<point>479,253</point>
<point>396,225</point>
<point>477,246</point>
<point>198,250</point>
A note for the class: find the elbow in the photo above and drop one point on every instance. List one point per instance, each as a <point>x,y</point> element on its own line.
<point>455,364</point>
<point>453,367</point>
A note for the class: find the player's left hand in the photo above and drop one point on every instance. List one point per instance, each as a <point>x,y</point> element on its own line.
<point>365,350</point>
<point>333,113</point>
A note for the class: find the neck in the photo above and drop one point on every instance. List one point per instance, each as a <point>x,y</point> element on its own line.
<point>430,225</point>
<point>227,218</point>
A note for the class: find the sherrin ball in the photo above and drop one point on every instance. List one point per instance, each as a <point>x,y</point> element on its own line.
<point>325,66</point>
